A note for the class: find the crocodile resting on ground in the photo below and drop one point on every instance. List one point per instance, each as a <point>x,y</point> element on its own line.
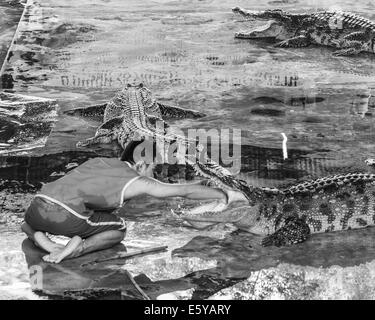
<point>285,217</point>
<point>348,33</point>
<point>132,115</point>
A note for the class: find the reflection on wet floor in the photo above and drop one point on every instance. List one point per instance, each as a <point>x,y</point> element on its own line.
<point>10,14</point>
<point>240,253</point>
<point>237,255</point>
<point>25,122</point>
<point>43,168</point>
<point>55,281</point>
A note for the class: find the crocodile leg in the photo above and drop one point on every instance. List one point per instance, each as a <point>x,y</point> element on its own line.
<point>296,42</point>
<point>172,112</point>
<point>105,133</point>
<point>244,35</point>
<point>346,52</point>
<point>362,36</point>
<point>351,44</point>
<point>99,139</point>
<point>94,111</point>
<point>294,231</point>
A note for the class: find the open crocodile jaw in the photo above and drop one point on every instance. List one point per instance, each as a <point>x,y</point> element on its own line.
<point>271,30</point>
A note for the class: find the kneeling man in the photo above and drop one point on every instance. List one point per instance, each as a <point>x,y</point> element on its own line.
<point>79,205</point>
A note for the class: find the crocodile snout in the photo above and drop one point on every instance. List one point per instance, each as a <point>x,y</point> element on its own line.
<point>246,13</point>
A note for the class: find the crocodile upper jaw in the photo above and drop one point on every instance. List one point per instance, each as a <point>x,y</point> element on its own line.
<point>250,14</point>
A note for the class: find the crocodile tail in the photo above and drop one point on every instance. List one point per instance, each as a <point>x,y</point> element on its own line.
<point>321,183</point>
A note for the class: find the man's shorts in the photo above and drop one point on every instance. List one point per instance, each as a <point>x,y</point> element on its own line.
<point>46,216</point>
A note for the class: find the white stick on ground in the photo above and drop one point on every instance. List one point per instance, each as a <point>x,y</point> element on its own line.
<point>285,149</point>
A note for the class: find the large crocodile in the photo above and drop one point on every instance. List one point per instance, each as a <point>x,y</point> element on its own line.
<point>132,115</point>
<point>284,217</point>
<point>348,33</point>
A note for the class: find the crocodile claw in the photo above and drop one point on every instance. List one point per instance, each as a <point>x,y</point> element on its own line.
<point>370,162</point>
<point>294,231</point>
<point>282,44</point>
<point>81,144</point>
<point>346,52</point>
<point>240,35</point>
<point>337,53</point>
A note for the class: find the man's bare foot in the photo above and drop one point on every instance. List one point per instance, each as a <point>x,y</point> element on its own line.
<point>42,241</point>
<point>70,250</point>
<point>53,257</point>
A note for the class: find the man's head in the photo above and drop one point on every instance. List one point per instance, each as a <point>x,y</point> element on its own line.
<point>144,169</point>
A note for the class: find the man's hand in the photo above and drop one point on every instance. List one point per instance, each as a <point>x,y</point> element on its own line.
<point>144,169</point>
<point>218,205</point>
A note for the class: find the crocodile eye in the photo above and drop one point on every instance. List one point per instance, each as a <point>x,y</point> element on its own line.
<point>140,85</point>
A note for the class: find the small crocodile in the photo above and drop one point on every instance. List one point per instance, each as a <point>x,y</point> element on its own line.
<point>289,216</point>
<point>348,33</point>
<point>132,115</point>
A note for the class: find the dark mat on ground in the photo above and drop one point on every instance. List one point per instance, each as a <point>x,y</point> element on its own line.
<point>25,122</point>
<point>240,253</point>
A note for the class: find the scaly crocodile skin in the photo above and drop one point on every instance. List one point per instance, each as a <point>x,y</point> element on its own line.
<point>131,115</point>
<point>343,20</point>
<point>288,216</point>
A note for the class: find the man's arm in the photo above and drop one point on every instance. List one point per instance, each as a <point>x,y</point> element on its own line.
<point>157,189</point>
